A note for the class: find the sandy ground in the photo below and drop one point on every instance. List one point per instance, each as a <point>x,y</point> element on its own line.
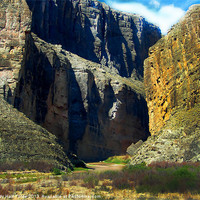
<point>101,166</point>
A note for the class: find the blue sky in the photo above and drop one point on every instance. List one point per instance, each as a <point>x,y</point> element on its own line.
<point>163,13</point>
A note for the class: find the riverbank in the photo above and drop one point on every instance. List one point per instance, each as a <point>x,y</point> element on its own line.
<point>103,180</point>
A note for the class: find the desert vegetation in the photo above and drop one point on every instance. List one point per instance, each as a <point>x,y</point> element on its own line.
<point>40,166</point>
<point>164,180</point>
<point>118,159</point>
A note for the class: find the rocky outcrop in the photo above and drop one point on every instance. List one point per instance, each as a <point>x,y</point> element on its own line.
<point>133,148</point>
<point>96,32</point>
<point>21,140</point>
<point>171,77</point>
<point>15,22</point>
<point>177,141</point>
<point>92,110</point>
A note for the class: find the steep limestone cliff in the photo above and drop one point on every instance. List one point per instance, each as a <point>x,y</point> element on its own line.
<point>92,110</point>
<point>172,71</point>
<point>96,32</point>
<point>171,78</point>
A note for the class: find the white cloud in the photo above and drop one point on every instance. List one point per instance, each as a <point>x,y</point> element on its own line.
<point>169,15</point>
<point>155,3</point>
<point>165,17</point>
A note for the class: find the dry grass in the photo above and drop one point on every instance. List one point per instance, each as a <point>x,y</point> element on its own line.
<point>88,185</point>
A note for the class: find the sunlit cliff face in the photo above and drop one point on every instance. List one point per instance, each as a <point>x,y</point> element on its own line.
<point>172,71</point>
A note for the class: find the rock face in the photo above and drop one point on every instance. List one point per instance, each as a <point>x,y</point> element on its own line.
<point>15,21</point>
<point>95,112</point>
<point>171,78</point>
<point>172,71</point>
<point>21,140</point>
<point>84,99</point>
<point>177,141</point>
<point>96,32</point>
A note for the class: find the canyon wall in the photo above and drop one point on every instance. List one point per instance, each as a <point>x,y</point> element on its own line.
<point>21,139</point>
<point>172,85</point>
<point>94,112</point>
<point>76,68</point>
<point>172,71</point>
<point>15,21</point>
<point>96,32</point>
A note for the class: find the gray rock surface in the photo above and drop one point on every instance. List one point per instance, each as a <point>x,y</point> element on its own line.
<point>15,22</point>
<point>96,32</point>
<point>93,111</point>
<point>133,148</point>
<point>87,103</point>
<point>174,143</point>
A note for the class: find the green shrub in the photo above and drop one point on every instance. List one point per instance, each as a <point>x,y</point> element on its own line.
<point>118,159</point>
<point>80,169</point>
<point>109,174</point>
<point>157,180</point>
<point>134,168</point>
<point>56,171</point>
<point>183,179</point>
<point>27,180</point>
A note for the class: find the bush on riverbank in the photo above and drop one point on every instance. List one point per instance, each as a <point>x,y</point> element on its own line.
<point>163,177</point>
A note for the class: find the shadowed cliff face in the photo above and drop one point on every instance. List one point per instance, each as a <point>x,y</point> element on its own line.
<point>94,112</point>
<point>94,31</point>
<point>93,109</point>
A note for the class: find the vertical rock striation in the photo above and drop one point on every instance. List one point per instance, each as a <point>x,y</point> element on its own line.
<point>172,84</point>
<point>96,32</point>
<point>76,68</point>
<point>172,71</point>
<point>92,110</point>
